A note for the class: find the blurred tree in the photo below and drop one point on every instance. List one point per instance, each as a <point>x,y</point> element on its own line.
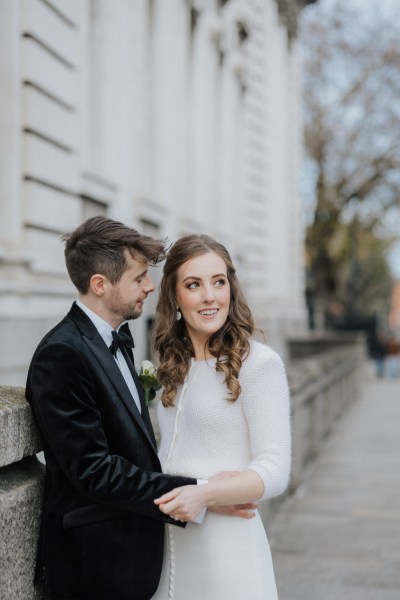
<point>352,116</point>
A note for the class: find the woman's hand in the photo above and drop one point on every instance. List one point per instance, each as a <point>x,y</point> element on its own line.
<point>186,502</point>
<point>183,503</point>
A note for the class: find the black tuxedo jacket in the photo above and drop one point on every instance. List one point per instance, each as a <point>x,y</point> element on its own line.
<point>101,535</point>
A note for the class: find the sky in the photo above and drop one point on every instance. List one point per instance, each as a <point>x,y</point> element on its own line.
<point>387,7</point>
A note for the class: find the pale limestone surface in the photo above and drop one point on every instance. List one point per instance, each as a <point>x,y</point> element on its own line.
<point>338,536</point>
<point>18,434</point>
<point>172,116</point>
<point>21,482</point>
<point>20,505</point>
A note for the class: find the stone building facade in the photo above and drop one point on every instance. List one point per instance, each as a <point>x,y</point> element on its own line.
<point>174,116</point>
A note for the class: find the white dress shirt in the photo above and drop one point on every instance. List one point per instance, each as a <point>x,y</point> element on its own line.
<point>105,330</point>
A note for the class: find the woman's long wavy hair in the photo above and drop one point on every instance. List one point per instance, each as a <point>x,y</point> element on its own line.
<point>229,345</point>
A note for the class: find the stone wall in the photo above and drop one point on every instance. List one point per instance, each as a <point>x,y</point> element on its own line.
<point>322,388</point>
<point>174,117</point>
<point>21,478</point>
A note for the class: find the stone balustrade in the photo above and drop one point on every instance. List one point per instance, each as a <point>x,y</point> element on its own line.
<point>322,387</point>
<point>325,377</point>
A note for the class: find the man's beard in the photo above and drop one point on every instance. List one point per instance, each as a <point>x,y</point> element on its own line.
<point>127,311</point>
<point>132,314</point>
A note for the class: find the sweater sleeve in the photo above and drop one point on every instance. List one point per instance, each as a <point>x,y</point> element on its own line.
<point>266,405</point>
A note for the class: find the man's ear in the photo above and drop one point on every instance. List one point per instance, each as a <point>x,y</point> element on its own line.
<point>98,284</point>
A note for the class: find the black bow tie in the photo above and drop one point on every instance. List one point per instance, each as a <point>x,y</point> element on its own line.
<point>122,339</point>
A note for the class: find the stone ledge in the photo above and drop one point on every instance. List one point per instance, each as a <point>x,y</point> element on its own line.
<point>21,487</point>
<point>19,435</point>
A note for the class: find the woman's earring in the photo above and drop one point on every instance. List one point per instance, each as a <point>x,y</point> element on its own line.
<point>178,315</point>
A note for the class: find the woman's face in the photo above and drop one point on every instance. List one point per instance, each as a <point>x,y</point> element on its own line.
<point>203,297</point>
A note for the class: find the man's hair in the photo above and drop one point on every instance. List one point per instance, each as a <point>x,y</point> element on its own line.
<point>98,246</point>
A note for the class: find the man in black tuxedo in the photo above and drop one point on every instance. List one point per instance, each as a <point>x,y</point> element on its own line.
<point>101,534</point>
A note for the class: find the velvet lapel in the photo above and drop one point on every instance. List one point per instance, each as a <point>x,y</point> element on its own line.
<point>145,410</point>
<point>106,361</point>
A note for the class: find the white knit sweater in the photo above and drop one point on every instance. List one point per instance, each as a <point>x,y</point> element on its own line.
<point>204,433</point>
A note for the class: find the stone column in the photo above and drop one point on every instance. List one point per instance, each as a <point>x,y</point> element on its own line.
<point>120,99</point>
<point>10,121</point>
<point>230,140</point>
<point>202,142</point>
<point>170,29</point>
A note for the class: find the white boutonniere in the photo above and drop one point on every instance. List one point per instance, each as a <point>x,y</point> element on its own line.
<point>148,380</point>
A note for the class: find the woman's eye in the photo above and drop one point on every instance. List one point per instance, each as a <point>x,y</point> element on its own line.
<point>192,286</point>
<point>220,282</point>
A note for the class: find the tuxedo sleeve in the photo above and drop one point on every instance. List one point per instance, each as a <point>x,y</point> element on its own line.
<point>63,398</point>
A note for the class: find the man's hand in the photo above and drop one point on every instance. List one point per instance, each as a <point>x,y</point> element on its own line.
<point>244,511</point>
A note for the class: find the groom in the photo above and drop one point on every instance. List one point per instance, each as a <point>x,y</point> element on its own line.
<point>101,534</point>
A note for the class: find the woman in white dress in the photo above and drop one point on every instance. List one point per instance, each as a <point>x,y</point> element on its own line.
<point>225,409</point>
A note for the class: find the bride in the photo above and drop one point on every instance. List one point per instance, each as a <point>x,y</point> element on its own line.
<point>225,409</point>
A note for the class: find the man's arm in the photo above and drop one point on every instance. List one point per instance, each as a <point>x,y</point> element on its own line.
<point>64,404</point>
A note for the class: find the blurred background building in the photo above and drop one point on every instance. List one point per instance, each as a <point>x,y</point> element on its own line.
<point>173,116</point>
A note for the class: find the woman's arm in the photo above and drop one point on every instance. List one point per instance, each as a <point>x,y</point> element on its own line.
<point>265,399</point>
<point>266,407</point>
<point>185,503</point>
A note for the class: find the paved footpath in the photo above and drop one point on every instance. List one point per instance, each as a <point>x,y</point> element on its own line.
<point>338,537</point>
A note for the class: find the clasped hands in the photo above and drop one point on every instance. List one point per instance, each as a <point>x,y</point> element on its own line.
<point>186,502</point>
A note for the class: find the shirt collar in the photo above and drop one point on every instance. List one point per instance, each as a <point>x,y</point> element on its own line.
<point>104,328</point>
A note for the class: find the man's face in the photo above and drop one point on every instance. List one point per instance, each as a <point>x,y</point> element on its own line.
<point>124,299</point>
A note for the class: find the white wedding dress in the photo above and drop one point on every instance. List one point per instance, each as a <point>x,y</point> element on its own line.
<point>203,434</point>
